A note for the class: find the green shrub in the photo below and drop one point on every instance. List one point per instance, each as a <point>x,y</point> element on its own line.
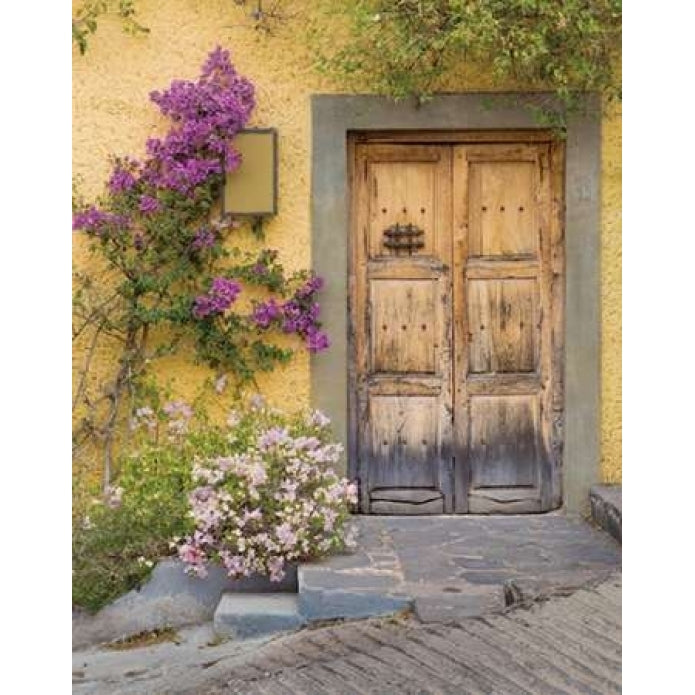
<point>116,543</point>
<point>299,509</point>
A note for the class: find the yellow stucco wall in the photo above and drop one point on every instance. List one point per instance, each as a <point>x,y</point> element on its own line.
<point>611,299</point>
<point>112,115</point>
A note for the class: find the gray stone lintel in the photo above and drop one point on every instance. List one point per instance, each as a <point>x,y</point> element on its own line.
<point>334,116</point>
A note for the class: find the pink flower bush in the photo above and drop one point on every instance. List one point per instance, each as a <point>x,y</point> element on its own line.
<point>274,500</point>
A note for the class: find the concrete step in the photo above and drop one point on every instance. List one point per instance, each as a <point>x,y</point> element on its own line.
<point>329,591</point>
<point>244,616</point>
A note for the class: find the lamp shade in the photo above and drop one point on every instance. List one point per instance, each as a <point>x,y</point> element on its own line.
<point>251,190</point>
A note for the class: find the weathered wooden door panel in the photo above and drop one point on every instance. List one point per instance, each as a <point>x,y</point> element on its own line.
<point>404,321</point>
<point>508,269</point>
<point>503,317</point>
<point>402,327</point>
<point>457,275</point>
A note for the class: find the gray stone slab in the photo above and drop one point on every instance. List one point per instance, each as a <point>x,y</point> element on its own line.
<point>364,579</point>
<point>449,607</point>
<point>477,563</point>
<point>328,590</point>
<point>481,577</point>
<point>253,615</point>
<point>607,508</point>
<point>329,604</point>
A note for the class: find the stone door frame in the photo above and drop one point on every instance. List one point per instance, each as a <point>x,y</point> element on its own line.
<point>333,117</point>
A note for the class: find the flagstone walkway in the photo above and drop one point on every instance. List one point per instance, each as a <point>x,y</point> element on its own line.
<point>455,567</point>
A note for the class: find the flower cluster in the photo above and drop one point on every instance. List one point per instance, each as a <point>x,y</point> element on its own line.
<point>208,112</point>
<point>97,222</point>
<point>298,315</point>
<point>144,417</point>
<point>123,178</point>
<point>206,115</point>
<point>179,415</point>
<point>176,414</point>
<point>204,238</point>
<point>220,297</point>
<point>274,501</point>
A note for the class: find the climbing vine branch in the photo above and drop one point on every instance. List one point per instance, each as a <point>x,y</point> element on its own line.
<point>85,20</point>
<point>407,48</point>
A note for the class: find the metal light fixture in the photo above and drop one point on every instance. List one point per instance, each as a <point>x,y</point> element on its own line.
<point>251,190</point>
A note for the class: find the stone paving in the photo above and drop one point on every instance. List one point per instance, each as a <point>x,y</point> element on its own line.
<point>454,567</point>
<point>449,571</point>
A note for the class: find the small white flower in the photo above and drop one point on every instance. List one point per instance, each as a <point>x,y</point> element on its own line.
<point>257,402</point>
<point>220,383</point>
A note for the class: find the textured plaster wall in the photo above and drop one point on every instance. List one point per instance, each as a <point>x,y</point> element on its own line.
<point>112,115</point>
<point>611,300</point>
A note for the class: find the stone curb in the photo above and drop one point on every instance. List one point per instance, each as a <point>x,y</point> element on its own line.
<point>607,509</point>
<point>245,616</point>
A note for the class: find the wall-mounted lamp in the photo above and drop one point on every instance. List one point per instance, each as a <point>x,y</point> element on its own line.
<point>252,190</point>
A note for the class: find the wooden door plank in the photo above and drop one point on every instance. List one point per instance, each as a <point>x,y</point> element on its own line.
<point>545,331</point>
<point>461,239</point>
<point>557,263</point>
<point>359,322</point>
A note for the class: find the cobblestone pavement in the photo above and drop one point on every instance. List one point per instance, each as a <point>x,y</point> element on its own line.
<point>563,645</point>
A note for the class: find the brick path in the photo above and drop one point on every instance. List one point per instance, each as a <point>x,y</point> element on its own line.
<point>563,645</point>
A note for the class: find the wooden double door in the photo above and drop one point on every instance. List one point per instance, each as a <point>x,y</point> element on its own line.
<point>456,324</point>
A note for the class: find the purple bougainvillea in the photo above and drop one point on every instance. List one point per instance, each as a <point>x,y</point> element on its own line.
<point>297,315</point>
<point>206,116</point>
<point>98,222</point>
<point>149,205</point>
<point>221,296</point>
<point>266,312</point>
<point>205,238</point>
<point>156,227</point>
<point>209,113</point>
<point>316,340</point>
<point>123,177</point>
